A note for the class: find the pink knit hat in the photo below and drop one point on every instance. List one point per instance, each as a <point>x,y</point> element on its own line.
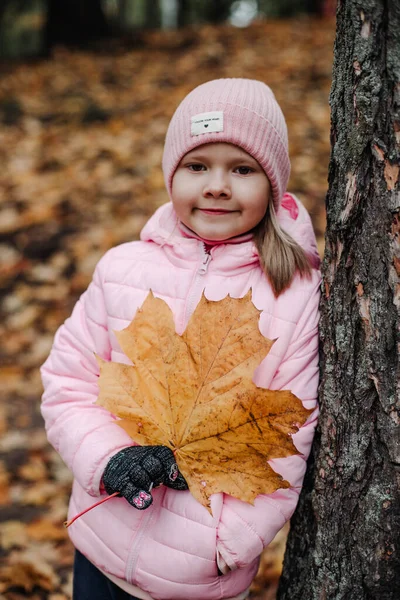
<point>243,112</point>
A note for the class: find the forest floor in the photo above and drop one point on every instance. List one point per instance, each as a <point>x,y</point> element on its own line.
<point>81,141</point>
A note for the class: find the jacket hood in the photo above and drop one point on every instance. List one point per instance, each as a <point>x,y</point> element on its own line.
<point>163,229</point>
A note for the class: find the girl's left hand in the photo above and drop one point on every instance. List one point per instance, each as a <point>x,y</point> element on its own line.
<point>135,470</point>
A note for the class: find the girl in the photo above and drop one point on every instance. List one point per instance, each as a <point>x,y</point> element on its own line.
<point>229,227</point>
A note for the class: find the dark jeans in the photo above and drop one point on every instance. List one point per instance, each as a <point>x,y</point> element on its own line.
<point>91,584</point>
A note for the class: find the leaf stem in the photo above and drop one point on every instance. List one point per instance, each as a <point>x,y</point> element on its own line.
<point>68,523</point>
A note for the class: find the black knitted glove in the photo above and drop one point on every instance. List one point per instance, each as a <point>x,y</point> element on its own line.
<point>135,470</point>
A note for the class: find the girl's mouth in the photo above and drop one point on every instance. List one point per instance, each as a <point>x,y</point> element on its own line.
<point>214,211</point>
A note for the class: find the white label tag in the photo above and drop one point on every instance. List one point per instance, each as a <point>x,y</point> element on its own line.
<point>208,121</point>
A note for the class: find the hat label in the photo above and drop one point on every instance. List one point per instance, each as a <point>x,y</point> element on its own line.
<point>206,122</point>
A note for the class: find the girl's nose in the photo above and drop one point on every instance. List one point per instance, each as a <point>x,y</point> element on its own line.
<point>217,186</point>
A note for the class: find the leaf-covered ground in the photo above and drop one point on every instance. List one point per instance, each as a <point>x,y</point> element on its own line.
<point>80,144</point>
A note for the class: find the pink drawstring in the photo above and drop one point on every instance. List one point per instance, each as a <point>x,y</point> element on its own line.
<point>68,523</point>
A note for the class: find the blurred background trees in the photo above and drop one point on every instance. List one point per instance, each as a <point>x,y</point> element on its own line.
<point>34,27</point>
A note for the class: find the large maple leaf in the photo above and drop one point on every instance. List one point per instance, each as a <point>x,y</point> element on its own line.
<point>194,393</point>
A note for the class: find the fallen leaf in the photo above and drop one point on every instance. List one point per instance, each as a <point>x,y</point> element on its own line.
<point>45,530</point>
<point>41,493</point>
<point>194,393</point>
<point>4,485</point>
<point>33,470</point>
<point>13,534</point>
<point>27,569</point>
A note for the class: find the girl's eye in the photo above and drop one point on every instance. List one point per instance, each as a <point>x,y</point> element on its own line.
<point>196,167</point>
<point>244,170</point>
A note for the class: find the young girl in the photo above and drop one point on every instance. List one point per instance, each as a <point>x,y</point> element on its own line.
<point>229,227</point>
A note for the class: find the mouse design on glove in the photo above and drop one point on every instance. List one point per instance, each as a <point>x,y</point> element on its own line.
<point>134,471</point>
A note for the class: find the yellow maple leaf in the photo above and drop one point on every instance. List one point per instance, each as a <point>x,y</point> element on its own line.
<point>194,393</point>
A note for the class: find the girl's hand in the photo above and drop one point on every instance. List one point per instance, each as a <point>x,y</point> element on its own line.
<point>135,470</point>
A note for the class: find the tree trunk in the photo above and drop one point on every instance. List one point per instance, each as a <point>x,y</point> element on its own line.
<point>322,8</point>
<point>122,13</point>
<point>183,13</point>
<point>153,15</point>
<point>314,7</point>
<point>208,11</point>
<point>217,11</point>
<point>344,538</point>
<point>74,22</point>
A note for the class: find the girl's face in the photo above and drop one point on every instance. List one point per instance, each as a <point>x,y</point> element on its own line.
<point>219,191</point>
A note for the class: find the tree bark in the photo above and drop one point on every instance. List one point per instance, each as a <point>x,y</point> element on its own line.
<point>344,538</point>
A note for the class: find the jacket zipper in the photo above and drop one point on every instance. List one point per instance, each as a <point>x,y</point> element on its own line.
<point>197,283</point>
<point>148,518</point>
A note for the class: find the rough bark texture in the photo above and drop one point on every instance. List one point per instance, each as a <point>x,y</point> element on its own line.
<point>344,540</point>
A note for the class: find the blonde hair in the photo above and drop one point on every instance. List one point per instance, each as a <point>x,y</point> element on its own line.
<point>281,257</point>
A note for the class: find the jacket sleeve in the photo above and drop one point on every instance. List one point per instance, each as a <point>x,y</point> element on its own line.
<point>84,434</point>
<point>244,530</point>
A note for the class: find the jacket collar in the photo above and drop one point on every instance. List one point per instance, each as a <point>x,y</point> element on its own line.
<point>239,239</point>
<point>182,247</point>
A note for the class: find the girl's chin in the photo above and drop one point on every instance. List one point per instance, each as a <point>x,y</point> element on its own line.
<point>216,238</point>
<point>204,233</point>
<point>212,236</point>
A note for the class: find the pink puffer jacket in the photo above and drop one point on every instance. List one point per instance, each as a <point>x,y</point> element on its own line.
<point>169,550</point>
